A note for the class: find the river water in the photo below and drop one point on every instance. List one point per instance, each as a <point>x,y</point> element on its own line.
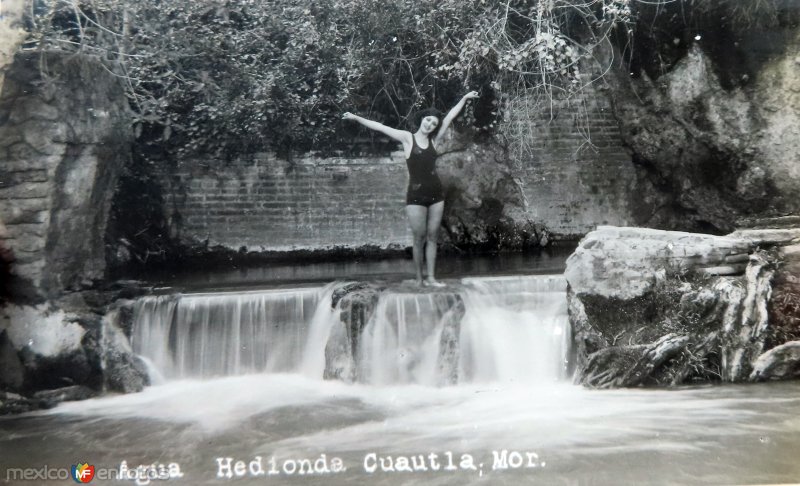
<point>465,385</point>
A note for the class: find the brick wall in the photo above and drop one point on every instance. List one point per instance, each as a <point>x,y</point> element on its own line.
<point>264,203</point>
<point>578,176</point>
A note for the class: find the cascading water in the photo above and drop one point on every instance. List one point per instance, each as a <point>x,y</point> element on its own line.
<point>515,330</point>
<point>500,329</point>
<point>296,352</point>
<point>204,335</point>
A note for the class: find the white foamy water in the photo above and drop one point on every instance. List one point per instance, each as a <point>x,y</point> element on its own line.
<point>244,383</point>
<point>206,335</point>
<point>483,330</point>
<point>709,435</point>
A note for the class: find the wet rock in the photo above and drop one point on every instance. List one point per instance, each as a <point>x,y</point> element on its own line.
<point>625,263</point>
<point>450,344</point>
<point>358,304</point>
<point>65,394</point>
<point>779,363</point>
<point>745,320</point>
<point>626,366</point>
<point>11,403</point>
<point>355,303</point>
<point>12,372</point>
<point>126,373</point>
<point>123,370</point>
<point>645,310</point>
<point>65,369</point>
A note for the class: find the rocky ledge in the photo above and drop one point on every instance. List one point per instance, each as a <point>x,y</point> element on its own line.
<point>71,348</point>
<point>651,307</point>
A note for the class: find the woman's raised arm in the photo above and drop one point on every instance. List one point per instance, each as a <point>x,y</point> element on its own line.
<point>452,114</point>
<point>401,136</point>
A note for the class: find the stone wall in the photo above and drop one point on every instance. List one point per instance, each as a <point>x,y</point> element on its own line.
<point>64,139</point>
<point>579,175</point>
<point>62,148</point>
<point>264,203</point>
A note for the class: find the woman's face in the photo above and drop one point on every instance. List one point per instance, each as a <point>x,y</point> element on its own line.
<point>429,124</point>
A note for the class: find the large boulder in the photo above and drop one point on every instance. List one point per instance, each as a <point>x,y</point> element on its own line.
<point>123,370</point>
<point>653,307</point>
<point>358,304</point>
<point>778,363</point>
<point>65,350</point>
<point>50,344</point>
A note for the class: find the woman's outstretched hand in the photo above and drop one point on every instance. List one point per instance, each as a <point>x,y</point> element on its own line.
<point>471,95</point>
<point>348,116</point>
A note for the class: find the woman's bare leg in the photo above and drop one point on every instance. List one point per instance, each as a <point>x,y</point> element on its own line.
<point>417,219</point>
<point>435,212</point>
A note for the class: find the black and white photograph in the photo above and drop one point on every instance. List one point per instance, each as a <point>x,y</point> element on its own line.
<point>400,242</point>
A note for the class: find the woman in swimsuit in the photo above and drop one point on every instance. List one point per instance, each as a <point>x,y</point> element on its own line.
<point>425,196</point>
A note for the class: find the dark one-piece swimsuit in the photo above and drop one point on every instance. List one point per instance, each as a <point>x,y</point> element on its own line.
<point>424,186</point>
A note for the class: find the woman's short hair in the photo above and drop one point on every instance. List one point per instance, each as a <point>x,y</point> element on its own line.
<point>420,115</point>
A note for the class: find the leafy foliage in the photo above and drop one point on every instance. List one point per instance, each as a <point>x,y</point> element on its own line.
<point>225,77</point>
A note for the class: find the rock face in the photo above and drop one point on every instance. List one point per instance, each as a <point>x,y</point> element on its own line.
<point>708,155</point>
<point>652,307</point>
<point>63,147</point>
<point>65,350</point>
<point>123,371</point>
<point>12,372</point>
<point>779,363</point>
<point>485,203</point>
<point>357,305</point>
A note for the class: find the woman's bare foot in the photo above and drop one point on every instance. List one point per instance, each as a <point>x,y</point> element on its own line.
<point>432,282</point>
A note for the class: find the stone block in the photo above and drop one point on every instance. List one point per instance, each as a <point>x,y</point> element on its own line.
<point>33,175</point>
<point>31,270</point>
<point>27,230</point>
<point>17,215</point>
<point>45,137</point>
<point>32,108</point>
<point>22,243</point>
<point>9,136</point>
<point>8,206</point>
<point>26,190</point>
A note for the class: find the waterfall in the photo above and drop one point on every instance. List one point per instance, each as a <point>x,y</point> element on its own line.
<point>515,330</point>
<point>480,330</point>
<point>205,335</point>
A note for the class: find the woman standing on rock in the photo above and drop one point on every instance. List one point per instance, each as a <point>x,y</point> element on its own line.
<point>425,196</point>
